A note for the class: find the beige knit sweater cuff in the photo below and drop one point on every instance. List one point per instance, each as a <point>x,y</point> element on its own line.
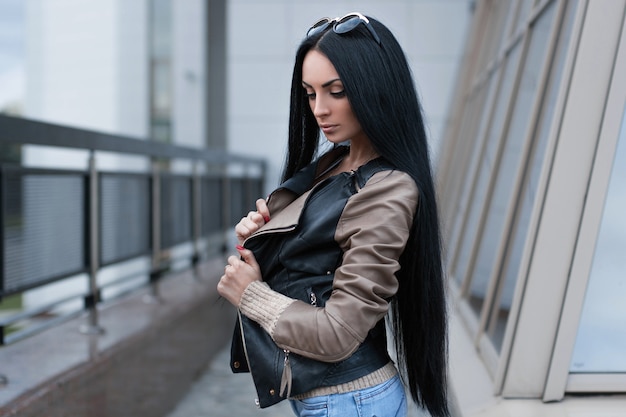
<point>263,305</point>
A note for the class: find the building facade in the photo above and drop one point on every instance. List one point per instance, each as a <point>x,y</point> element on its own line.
<point>527,134</point>
<point>531,181</point>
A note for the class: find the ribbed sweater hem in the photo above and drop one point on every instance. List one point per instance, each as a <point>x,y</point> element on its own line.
<point>370,380</point>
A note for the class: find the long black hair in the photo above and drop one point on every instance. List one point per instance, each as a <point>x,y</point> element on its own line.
<point>379,86</point>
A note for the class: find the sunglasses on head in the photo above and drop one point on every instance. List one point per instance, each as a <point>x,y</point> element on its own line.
<point>343,25</point>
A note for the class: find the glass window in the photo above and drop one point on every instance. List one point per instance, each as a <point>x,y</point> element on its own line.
<point>512,156</point>
<point>469,129</point>
<point>12,69</point>
<point>486,163</point>
<point>495,34</point>
<point>523,12</point>
<point>528,195</point>
<point>601,339</point>
<point>160,70</point>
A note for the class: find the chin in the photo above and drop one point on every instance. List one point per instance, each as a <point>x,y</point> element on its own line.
<point>337,141</point>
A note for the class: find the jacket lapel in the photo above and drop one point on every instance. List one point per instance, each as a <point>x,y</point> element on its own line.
<point>286,203</point>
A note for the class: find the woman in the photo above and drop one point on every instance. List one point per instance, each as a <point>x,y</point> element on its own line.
<point>345,238</point>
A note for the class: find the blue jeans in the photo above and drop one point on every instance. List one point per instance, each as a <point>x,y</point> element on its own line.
<point>383,400</point>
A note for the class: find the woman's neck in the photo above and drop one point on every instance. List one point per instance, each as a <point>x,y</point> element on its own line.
<point>359,155</point>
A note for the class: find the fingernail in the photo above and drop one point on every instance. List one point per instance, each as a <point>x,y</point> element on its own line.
<point>239,247</point>
<point>266,218</point>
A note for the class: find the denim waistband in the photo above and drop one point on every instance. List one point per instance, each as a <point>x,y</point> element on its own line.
<point>377,377</point>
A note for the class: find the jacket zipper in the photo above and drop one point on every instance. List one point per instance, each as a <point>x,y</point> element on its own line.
<point>355,181</point>
<point>286,378</point>
<point>245,351</point>
<point>243,338</point>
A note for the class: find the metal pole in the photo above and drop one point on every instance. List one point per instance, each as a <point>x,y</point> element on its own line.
<point>4,380</point>
<point>155,270</point>
<point>91,300</point>
<point>2,216</point>
<point>226,210</point>
<point>196,224</point>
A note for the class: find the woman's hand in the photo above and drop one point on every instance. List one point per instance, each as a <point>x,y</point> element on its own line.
<point>238,274</point>
<point>253,221</point>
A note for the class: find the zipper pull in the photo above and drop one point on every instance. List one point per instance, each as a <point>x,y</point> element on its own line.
<point>313,299</point>
<point>355,180</point>
<point>285,380</point>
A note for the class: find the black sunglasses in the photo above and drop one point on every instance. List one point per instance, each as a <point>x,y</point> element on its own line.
<point>343,25</point>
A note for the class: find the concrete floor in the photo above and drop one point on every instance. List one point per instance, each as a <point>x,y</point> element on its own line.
<point>220,393</point>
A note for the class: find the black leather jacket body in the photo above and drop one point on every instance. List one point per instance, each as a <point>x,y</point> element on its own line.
<point>299,261</point>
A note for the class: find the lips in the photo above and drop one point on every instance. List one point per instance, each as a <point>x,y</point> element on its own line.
<point>327,128</point>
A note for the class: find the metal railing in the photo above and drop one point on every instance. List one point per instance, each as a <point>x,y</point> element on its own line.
<point>59,224</point>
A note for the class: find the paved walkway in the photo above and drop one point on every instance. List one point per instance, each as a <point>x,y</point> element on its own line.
<point>220,393</point>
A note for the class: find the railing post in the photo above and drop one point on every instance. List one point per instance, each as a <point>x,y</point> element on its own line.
<point>248,191</point>
<point>196,213</point>
<point>263,176</point>
<point>226,208</point>
<point>93,221</point>
<point>3,378</point>
<point>2,225</point>
<point>155,270</point>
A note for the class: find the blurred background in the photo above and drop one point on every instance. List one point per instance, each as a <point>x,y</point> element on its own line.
<point>134,134</point>
<point>210,74</point>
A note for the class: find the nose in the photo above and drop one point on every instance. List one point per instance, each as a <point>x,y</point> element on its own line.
<point>320,108</point>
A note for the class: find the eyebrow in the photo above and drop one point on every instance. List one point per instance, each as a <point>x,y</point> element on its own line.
<point>326,84</point>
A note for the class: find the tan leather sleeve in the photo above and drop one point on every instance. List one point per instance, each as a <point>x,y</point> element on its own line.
<point>372,231</point>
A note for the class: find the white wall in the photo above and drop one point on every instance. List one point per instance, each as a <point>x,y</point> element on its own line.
<point>86,66</point>
<point>262,39</point>
<point>189,72</point>
<point>80,64</point>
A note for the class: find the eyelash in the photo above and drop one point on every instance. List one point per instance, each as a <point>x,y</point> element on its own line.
<point>338,94</point>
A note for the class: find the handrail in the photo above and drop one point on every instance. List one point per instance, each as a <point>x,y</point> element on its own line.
<point>140,215</point>
<point>33,132</point>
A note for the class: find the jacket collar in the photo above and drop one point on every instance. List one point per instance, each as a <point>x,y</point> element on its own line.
<point>304,179</point>
<point>289,199</point>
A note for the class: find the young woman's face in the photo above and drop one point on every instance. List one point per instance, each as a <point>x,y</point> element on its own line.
<point>328,100</point>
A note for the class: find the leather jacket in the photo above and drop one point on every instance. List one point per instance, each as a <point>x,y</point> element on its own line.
<point>299,253</point>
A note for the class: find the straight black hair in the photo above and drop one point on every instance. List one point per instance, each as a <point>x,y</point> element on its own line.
<point>380,88</point>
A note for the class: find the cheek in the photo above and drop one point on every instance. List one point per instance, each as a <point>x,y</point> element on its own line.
<point>349,116</point>
<point>345,110</point>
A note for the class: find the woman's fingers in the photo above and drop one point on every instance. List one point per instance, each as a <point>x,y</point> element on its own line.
<point>261,208</point>
<point>238,274</point>
<point>248,257</point>
<point>246,227</point>
<point>252,222</point>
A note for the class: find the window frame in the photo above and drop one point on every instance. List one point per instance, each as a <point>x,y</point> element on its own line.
<point>481,46</point>
<point>496,362</point>
<point>532,361</point>
<point>510,223</point>
<point>558,220</point>
<point>560,378</point>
